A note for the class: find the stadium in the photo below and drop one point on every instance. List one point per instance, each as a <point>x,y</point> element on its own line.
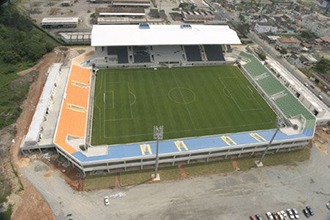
<point>213,102</point>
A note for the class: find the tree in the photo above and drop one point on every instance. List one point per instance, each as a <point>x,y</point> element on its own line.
<point>283,51</point>
<point>307,35</point>
<point>323,66</point>
<point>10,57</point>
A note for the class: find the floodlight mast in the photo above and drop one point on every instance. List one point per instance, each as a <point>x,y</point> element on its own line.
<point>279,122</point>
<point>158,135</point>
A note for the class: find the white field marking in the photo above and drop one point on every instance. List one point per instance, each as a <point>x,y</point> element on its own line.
<point>100,118</point>
<point>184,101</point>
<point>169,96</point>
<point>239,108</point>
<point>104,90</point>
<point>129,101</point>
<point>134,98</point>
<point>113,99</point>
<point>250,89</point>
<point>118,119</point>
<point>198,129</point>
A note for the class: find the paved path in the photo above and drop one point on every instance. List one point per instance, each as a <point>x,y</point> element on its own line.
<point>232,196</point>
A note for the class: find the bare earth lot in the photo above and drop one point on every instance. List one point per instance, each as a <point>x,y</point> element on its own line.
<point>228,196</point>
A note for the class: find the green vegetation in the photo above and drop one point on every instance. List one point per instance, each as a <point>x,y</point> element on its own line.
<point>262,55</point>
<point>198,169</point>
<point>307,35</point>
<point>283,50</point>
<point>7,214</point>
<point>21,46</point>
<point>99,182</point>
<point>323,66</point>
<point>187,101</point>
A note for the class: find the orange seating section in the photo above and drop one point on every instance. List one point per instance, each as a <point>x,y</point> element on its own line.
<point>73,116</point>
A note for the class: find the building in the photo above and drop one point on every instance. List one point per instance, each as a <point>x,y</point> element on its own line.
<point>291,43</point>
<point>197,16</point>
<point>69,22</point>
<point>131,3</point>
<point>320,26</point>
<point>325,41</point>
<point>183,44</point>
<point>120,12</point>
<point>265,28</point>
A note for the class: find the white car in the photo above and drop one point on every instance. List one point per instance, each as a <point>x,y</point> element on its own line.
<point>290,213</point>
<point>106,200</point>
<point>295,213</point>
<point>283,213</point>
<point>269,216</point>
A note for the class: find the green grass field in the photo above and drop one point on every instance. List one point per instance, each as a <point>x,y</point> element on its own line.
<point>189,102</point>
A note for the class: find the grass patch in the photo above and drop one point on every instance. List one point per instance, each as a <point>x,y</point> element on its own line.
<point>188,101</point>
<point>223,166</point>
<point>193,170</point>
<point>169,173</point>
<point>136,177</point>
<point>287,158</point>
<point>99,182</point>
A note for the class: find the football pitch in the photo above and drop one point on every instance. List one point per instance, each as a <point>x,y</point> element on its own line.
<point>194,101</point>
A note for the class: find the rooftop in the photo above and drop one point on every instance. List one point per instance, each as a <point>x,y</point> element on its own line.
<point>289,40</point>
<point>124,35</point>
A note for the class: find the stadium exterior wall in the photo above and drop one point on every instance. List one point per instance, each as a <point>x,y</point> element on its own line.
<point>188,157</point>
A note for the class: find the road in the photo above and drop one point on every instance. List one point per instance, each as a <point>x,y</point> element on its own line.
<point>230,196</point>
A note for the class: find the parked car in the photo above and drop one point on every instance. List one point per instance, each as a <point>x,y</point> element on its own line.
<point>258,217</point>
<point>306,213</point>
<point>106,200</point>
<point>253,217</point>
<point>295,213</point>
<point>280,215</point>
<point>328,205</point>
<point>310,210</point>
<point>285,216</point>
<point>269,216</point>
<point>290,213</point>
<point>276,217</point>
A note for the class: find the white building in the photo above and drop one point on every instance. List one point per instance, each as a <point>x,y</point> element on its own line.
<point>320,26</point>
<point>265,28</point>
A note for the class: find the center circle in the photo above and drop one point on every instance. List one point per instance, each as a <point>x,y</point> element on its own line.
<point>181,95</point>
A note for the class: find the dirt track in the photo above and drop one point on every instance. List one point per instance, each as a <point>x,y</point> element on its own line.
<point>29,199</point>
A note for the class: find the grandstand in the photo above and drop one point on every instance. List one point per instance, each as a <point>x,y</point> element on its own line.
<point>72,138</point>
<point>151,45</point>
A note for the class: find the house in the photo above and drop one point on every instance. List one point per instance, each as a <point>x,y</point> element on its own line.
<point>308,59</point>
<point>265,28</point>
<point>325,41</point>
<point>286,42</point>
<point>295,60</point>
<point>319,25</point>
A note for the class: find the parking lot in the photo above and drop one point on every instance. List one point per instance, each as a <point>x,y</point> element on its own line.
<point>235,195</point>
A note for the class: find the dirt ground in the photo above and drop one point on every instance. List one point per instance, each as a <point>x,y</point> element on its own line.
<point>27,198</point>
<point>24,195</point>
<point>322,139</point>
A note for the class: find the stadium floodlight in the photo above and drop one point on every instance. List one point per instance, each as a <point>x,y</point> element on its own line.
<point>279,123</point>
<point>158,135</point>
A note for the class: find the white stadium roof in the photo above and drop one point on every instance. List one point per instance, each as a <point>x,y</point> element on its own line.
<point>135,35</point>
